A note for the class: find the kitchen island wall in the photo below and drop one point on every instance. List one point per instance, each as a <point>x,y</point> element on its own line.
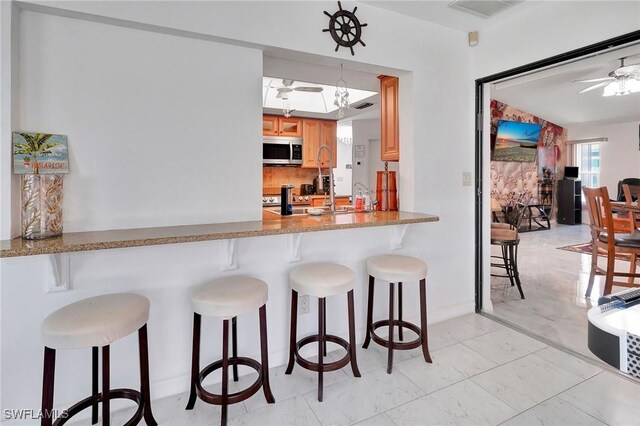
<point>179,48</point>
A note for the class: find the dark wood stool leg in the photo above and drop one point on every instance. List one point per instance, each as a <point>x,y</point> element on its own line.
<point>264,352</point>
<point>390,356</point>
<point>143,348</point>
<point>234,345</point>
<point>352,335</point>
<point>106,390</point>
<point>225,370</point>
<point>507,264</point>
<point>400,310</point>
<point>423,320</point>
<point>292,336</point>
<point>195,361</point>
<point>324,343</point>
<point>514,267</point>
<point>367,338</point>
<point>48,376</point>
<point>94,383</point>
<point>321,333</point>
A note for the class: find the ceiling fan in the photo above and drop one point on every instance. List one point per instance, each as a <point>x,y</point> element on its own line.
<point>621,81</point>
<point>287,87</point>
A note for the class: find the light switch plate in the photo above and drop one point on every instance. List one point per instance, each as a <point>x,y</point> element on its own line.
<point>466,179</point>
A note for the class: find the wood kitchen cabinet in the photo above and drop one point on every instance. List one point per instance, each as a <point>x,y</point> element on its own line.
<point>318,201</point>
<point>272,125</point>
<point>315,134</point>
<point>390,132</point>
<point>290,127</point>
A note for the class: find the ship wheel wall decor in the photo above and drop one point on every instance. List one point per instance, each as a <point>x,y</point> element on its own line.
<point>345,28</point>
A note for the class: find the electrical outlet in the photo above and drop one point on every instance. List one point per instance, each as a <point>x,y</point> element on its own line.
<point>303,305</point>
<point>466,178</point>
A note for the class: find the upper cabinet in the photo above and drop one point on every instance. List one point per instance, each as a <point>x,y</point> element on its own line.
<point>315,134</point>
<point>290,127</point>
<point>269,125</point>
<point>390,134</point>
<point>273,125</point>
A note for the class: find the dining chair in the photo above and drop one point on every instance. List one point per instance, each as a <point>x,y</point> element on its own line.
<point>632,195</point>
<point>603,236</point>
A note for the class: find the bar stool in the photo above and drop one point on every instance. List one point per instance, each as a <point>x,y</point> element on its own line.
<point>322,280</point>
<point>93,323</point>
<point>226,298</point>
<point>506,236</point>
<point>397,269</point>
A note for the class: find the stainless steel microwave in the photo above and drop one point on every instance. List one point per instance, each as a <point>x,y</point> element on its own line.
<point>281,151</point>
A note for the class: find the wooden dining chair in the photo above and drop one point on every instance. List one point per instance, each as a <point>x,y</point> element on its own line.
<point>631,195</point>
<point>603,236</point>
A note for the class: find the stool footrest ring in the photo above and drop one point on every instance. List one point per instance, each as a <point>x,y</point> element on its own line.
<point>396,345</point>
<point>130,394</point>
<point>232,398</point>
<point>331,366</point>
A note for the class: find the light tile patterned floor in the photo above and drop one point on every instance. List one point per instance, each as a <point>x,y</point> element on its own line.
<point>554,283</point>
<point>483,373</point>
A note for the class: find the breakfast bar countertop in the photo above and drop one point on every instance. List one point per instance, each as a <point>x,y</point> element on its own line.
<point>121,238</point>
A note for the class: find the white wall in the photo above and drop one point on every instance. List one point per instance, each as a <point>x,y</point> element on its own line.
<point>341,173</point>
<point>436,121</point>
<point>153,121</point>
<point>619,156</point>
<point>547,28</point>
<point>363,132</point>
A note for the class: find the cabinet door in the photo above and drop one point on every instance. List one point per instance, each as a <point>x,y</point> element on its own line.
<point>310,142</point>
<point>342,201</point>
<point>329,137</point>
<point>290,127</point>
<point>390,133</point>
<point>269,125</point>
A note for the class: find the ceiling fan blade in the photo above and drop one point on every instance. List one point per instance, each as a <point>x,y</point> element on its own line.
<point>630,70</point>
<point>594,87</point>
<point>594,80</point>
<point>310,89</point>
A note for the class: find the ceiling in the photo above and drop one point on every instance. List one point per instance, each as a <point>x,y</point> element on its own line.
<point>316,74</point>
<point>439,12</point>
<point>552,94</point>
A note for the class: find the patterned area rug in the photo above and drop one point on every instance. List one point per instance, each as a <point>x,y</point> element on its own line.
<point>585,248</point>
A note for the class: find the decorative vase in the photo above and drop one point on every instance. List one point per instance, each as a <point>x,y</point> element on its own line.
<point>41,206</point>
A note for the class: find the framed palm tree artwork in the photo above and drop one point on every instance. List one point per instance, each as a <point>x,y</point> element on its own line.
<point>40,153</point>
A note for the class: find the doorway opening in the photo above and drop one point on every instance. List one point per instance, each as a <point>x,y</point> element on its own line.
<point>543,185</point>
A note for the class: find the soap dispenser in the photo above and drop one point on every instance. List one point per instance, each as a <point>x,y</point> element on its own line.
<point>286,200</point>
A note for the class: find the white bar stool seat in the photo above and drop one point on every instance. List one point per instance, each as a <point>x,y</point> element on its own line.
<point>229,297</point>
<point>397,269</point>
<point>322,280</point>
<point>95,323</point>
<point>98,321</point>
<point>226,298</point>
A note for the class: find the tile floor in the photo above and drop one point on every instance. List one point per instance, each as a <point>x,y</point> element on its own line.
<point>554,282</point>
<point>483,373</point>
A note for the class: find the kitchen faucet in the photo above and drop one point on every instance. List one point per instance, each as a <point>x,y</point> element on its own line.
<point>332,195</point>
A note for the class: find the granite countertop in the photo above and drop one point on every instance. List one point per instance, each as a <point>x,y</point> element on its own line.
<point>277,225</point>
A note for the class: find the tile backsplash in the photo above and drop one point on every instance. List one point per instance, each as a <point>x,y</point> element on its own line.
<point>274,177</point>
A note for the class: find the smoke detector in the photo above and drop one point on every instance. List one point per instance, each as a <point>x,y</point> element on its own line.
<point>484,8</point>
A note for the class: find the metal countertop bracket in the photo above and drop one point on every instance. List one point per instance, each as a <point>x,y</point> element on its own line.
<point>60,278</point>
<point>294,244</point>
<point>397,236</point>
<point>229,255</point>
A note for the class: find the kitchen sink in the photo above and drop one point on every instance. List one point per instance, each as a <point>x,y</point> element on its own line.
<point>303,211</point>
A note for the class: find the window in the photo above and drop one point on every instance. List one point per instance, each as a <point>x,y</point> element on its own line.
<point>587,158</point>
